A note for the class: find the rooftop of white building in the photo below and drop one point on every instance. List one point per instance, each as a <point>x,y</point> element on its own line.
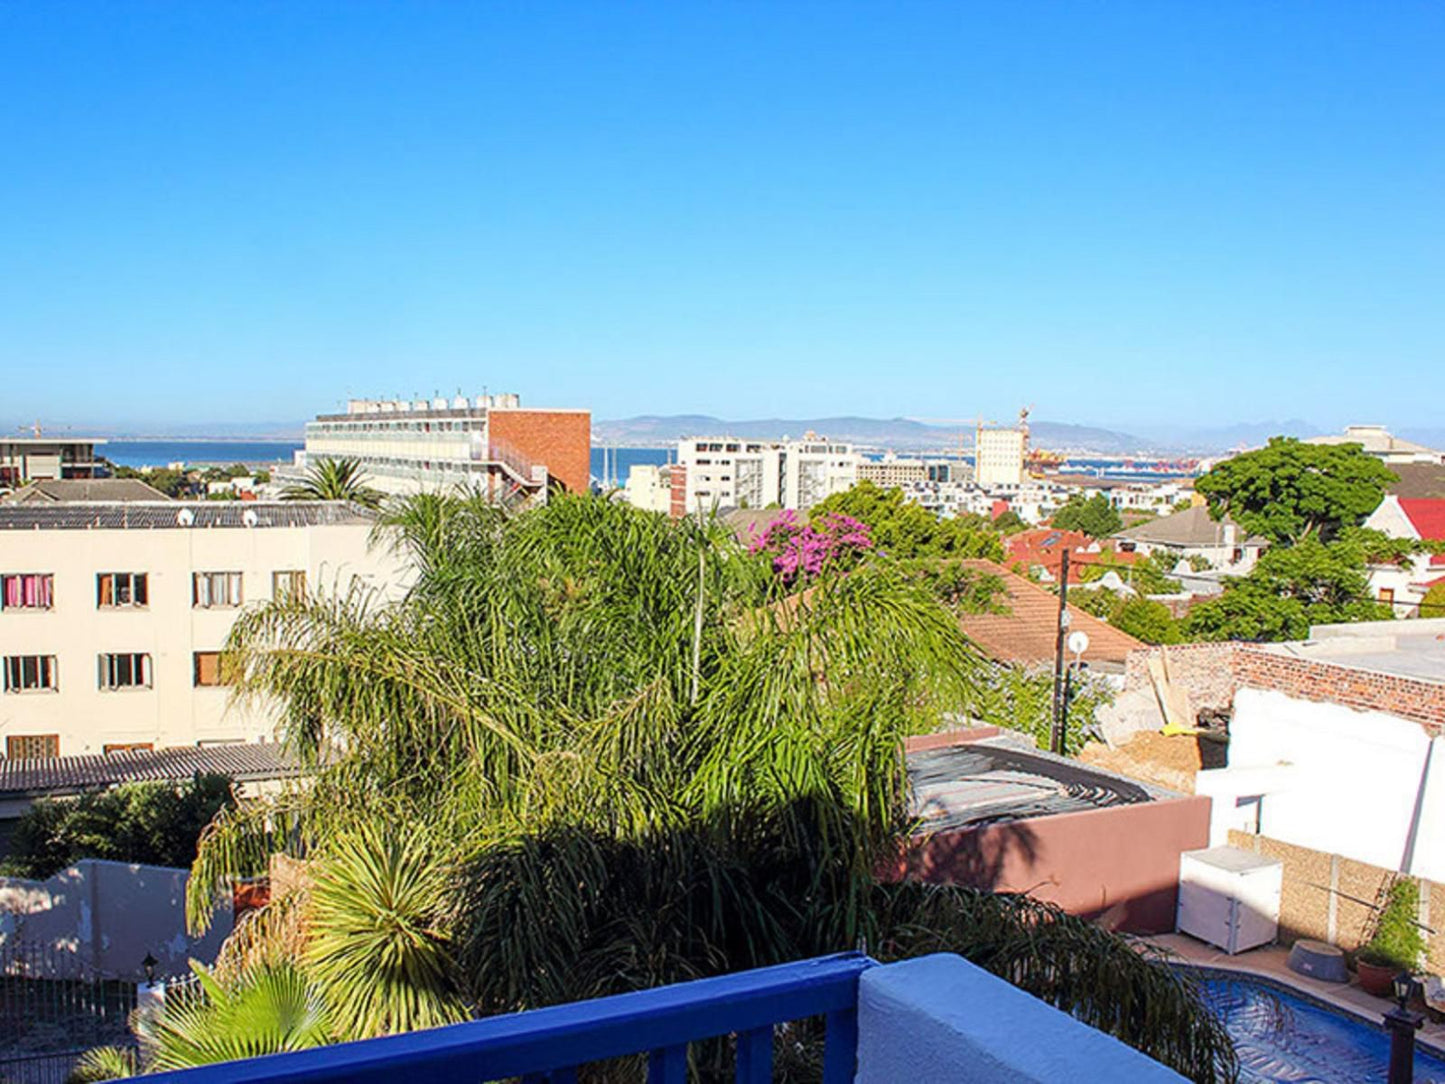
<point>1411,649</point>
<point>168,514</point>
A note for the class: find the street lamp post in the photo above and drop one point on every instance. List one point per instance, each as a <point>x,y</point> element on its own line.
<point>1402,1025</point>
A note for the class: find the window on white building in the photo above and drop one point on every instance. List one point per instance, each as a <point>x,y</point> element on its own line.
<point>27,591</point>
<point>213,589</point>
<point>125,671</point>
<point>32,746</point>
<point>121,590</point>
<point>288,585</point>
<point>29,673</point>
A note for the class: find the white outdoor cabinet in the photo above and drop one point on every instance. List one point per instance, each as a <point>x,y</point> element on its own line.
<point>1229,897</point>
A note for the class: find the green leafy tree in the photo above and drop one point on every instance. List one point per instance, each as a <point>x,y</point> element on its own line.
<point>1142,618</point>
<point>173,483</point>
<point>624,756</point>
<point>152,823</point>
<point>1290,589</point>
<point>1009,522</point>
<point>903,528</point>
<point>1021,698</point>
<point>334,480</point>
<point>1147,620</point>
<point>1433,604</point>
<point>1095,516</point>
<point>1290,490</point>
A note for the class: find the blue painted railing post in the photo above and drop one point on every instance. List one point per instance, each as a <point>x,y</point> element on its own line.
<point>840,1046</point>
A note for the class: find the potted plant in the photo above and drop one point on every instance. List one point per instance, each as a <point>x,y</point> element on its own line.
<point>1397,942</point>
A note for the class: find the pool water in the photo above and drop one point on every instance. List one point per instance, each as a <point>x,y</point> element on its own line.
<point>1281,1036</point>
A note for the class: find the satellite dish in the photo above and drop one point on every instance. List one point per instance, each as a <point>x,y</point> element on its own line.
<point>185,517</point>
<point>249,517</point>
<point>1079,642</point>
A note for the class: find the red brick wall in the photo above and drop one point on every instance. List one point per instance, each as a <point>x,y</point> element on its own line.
<point>561,440</point>
<point>1212,672</point>
<point>1422,701</point>
<point>678,477</point>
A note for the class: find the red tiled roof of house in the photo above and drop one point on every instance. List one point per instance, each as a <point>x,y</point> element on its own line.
<point>1026,634</point>
<point>1427,515</point>
<point>1044,547</point>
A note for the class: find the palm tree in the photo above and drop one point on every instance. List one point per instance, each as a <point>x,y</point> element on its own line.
<point>268,1010</point>
<point>334,480</point>
<point>596,750</point>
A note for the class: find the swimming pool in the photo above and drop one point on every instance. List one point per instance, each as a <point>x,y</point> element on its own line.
<point>1282,1035</point>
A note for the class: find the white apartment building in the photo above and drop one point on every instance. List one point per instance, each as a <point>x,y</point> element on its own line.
<point>489,443</point>
<point>112,615</point>
<point>892,472</point>
<point>649,487</point>
<point>725,472</point>
<point>999,454</point>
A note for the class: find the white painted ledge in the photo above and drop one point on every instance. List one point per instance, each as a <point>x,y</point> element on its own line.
<point>941,1020</point>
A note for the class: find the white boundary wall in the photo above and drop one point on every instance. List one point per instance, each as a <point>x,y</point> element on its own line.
<point>1354,783</point>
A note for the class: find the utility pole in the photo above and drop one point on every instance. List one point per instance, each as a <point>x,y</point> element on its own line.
<point>1056,729</point>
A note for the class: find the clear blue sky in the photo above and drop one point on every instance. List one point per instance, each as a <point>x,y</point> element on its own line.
<point>1115,211</point>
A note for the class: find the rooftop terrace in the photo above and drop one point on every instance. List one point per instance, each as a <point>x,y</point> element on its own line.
<point>1409,649</point>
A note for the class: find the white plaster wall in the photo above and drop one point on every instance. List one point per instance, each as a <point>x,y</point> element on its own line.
<point>942,1020</point>
<point>1353,786</point>
<point>99,917</point>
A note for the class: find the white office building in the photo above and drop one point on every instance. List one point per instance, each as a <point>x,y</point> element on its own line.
<point>725,472</point>
<point>999,454</point>
<point>113,615</point>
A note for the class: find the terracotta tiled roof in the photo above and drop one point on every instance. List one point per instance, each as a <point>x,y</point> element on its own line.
<point>1026,633</point>
<point>70,775</point>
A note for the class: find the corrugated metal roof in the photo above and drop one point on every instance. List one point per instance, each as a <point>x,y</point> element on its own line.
<point>68,775</point>
<point>188,515</point>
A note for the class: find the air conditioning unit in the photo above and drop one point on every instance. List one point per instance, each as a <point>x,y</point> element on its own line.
<point>1229,897</point>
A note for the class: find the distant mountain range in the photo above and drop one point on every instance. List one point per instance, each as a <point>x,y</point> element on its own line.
<point>900,434</point>
<point>908,434</point>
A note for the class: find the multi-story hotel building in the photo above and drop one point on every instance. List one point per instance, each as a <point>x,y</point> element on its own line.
<point>725,472</point>
<point>490,443</point>
<point>113,615</point>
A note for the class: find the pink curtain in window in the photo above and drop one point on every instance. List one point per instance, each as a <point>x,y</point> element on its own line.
<point>29,591</point>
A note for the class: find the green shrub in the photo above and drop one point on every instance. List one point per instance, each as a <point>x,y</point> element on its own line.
<point>1397,941</point>
<point>151,823</point>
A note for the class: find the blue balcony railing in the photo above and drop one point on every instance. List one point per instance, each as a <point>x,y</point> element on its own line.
<point>546,1046</point>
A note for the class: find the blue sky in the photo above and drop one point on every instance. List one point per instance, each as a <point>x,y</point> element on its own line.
<point>1118,212</point>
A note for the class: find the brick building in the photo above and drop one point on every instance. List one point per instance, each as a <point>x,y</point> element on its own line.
<point>490,443</point>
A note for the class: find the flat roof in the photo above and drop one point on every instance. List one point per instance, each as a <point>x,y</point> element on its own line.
<point>989,782</point>
<point>1412,649</point>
